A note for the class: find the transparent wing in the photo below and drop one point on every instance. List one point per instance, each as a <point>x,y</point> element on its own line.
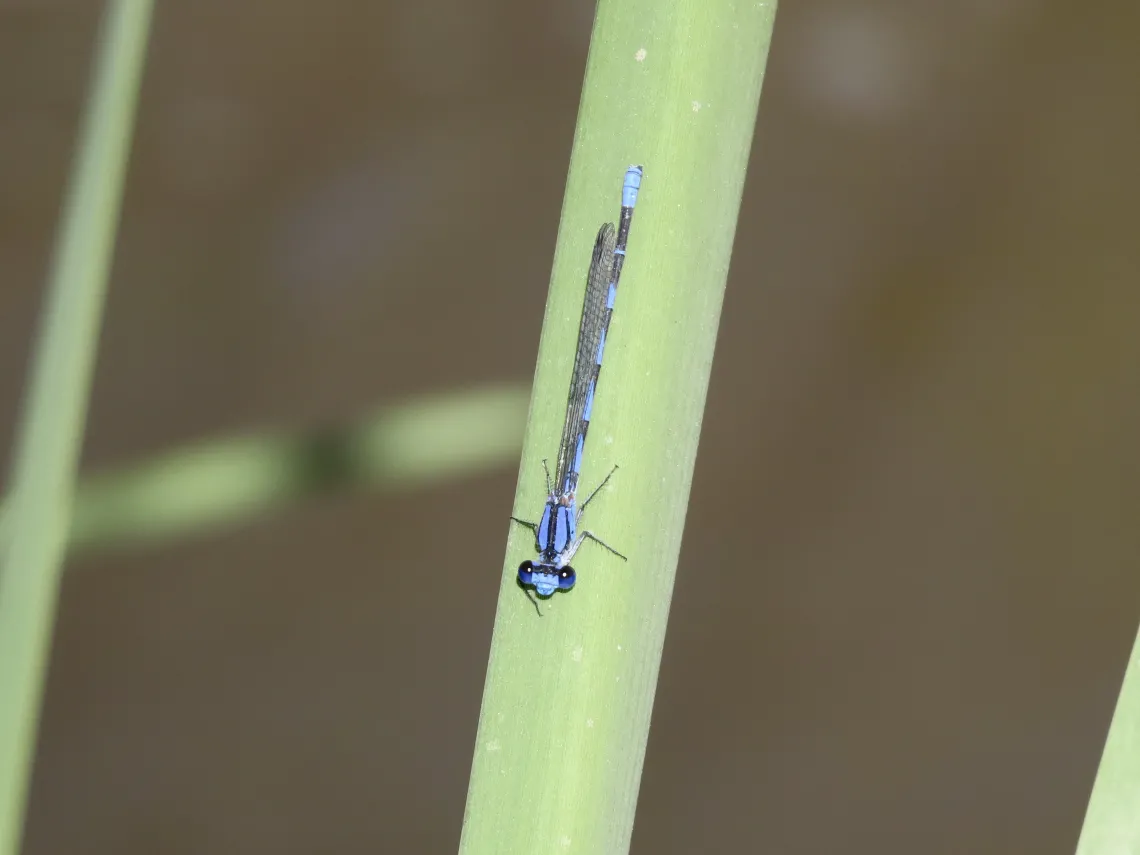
<point>585,357</point>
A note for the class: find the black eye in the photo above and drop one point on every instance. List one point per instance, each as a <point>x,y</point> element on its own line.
<point>566,578</point>
<point>526,570</point>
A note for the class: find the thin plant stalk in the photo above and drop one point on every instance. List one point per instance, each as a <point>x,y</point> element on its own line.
<point>54,412</point>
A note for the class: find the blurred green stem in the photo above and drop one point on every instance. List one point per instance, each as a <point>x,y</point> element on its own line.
<point>224,481</point>
<point>1112,821</point>
<point>54,413</point>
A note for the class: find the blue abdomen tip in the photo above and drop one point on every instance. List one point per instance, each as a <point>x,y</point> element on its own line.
<point>631,186</point>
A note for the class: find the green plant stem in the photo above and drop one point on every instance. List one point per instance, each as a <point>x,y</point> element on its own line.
<point>54,413</point>
<point>1112,821</point>
<point>673,85</point>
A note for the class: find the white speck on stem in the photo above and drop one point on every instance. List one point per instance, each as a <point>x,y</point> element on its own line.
<point>640,55</point>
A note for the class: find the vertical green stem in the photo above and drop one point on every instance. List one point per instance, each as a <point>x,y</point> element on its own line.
<point>673,85</point>
<point>1112,821</point>
<point>54,413</point>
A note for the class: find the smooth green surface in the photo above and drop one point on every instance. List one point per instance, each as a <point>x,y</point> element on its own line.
<point>672,85</point>
<point>1112,822</point>
<point>52,420</point>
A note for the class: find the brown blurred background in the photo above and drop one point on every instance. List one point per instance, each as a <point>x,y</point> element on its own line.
<point>907,590</point>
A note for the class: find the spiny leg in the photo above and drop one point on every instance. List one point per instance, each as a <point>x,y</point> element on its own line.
<point>569,554</point>
<point>529,524</point>
<point>598,540</point>
<point>590,498</point>
<point>533,529</point>
<point>546,469</point>
<point>532,598</point>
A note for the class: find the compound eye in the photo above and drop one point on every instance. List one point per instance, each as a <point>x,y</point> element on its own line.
<point>566,578</point>
<point>526,573</point>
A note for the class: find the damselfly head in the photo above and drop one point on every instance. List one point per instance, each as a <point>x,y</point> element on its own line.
<point>546,579</point>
